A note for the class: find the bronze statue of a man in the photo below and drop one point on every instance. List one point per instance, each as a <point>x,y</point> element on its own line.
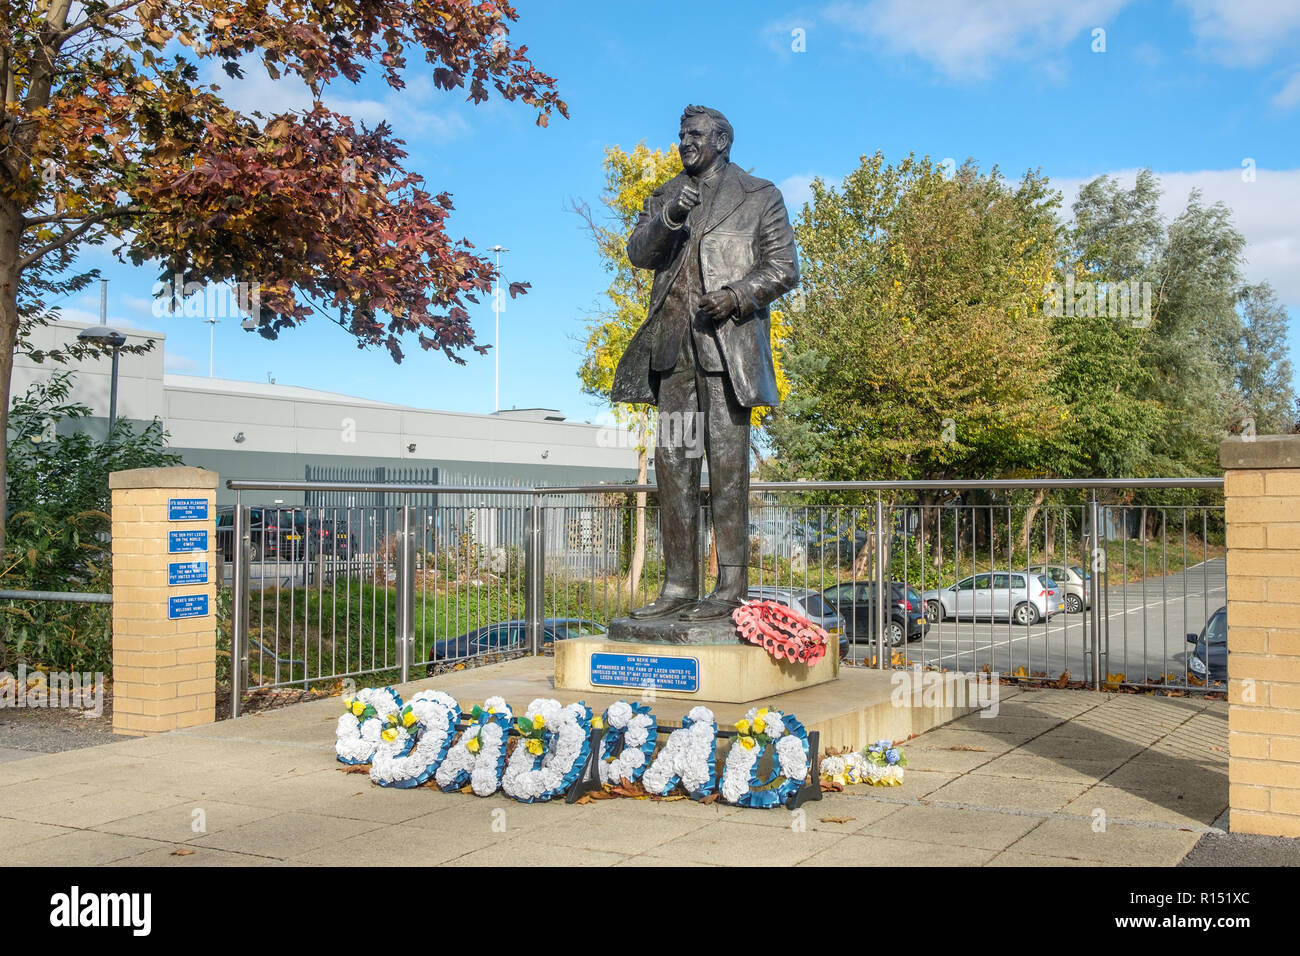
<point>722,249</point>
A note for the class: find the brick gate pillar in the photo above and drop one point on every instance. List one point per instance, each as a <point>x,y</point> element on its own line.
<point>164,599</point>
<point>1262,510</point>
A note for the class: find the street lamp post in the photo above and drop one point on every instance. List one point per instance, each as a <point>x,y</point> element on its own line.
<point>496,342</point>
<point>105,337</point>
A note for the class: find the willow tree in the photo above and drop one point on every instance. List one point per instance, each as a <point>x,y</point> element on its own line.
<point>107,134</point>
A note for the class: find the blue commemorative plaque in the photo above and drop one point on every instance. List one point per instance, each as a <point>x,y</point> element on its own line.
<point>187,572</point>
<point>645,670</point>
<point>187,605</point>
<point>179,542</point>
<point>187,509</point>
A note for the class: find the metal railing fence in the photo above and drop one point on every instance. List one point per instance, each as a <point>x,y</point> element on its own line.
<point>323,593</point>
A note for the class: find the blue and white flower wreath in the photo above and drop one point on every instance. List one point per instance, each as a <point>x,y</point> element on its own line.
<point>554,746</point>
<point>631,733</point>
<point>760,729</point>
<point>364,717</point>
<point>688,756</point>
<point>416,740</point>
<point>479,756</point>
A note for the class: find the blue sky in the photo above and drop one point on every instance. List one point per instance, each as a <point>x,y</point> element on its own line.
<point>1191,88</point>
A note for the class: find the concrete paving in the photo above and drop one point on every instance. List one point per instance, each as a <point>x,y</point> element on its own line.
<point>1055,778</point>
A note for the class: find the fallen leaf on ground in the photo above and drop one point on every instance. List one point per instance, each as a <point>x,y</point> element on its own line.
<point>978,750</point>
<point>357,768</point>
<point>182,852</point>
<point>836,819</point>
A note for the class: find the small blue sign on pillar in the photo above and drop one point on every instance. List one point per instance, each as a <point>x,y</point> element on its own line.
<point>180,542</point>
<point>187,605</point>
<point>187,572</point>
<point>187,509</point>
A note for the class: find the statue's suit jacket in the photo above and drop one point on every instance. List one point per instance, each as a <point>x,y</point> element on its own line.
<point>746,245</point>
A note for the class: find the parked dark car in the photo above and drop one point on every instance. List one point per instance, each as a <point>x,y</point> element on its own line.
<point>510,635</point>
<point>275,533</point>
<point>332,537</point>
<point>855,602</point>
<point>1209,658</point>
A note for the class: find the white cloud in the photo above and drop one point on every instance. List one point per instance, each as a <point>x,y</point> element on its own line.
<point>257,91</point>
<point>1244,32</point>
<point>175,362</point>
<point>797,190</point>
<point>1263,211</point>
<point>1289,96</point>
<point>965,39</point>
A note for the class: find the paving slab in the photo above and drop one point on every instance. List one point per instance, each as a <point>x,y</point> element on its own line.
<point>394,846</point>
<point>182,824</point>
<point>78,848</point>
<point>1026,764</point>
<point>1117,845</point>
<point>876,851</point>
<point>954,827</point>
<point>729,843</point>
<point>974,790</point>
<point>1197,808</point>
<point>286,835</point>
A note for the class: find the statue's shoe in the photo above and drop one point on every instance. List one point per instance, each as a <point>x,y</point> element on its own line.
<point>662,606</point>
<point>711,608</point>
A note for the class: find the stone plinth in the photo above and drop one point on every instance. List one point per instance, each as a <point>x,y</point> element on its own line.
<point>732,673</point>
<point>669,630</point>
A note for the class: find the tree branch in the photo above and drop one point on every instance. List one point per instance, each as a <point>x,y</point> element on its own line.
<point>97,20</point>
<point>72,234</point>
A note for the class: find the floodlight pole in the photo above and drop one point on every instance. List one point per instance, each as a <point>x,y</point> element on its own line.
<point>496,341</point>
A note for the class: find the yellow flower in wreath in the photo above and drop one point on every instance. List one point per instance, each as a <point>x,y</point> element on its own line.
<point>536,747</point>
<point>473,745</point>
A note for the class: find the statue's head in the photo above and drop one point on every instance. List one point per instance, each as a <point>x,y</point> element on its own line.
<point>705,135</point>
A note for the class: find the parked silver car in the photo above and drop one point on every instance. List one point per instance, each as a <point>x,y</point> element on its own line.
<point>1074,581</point>
<point>1015,595</point>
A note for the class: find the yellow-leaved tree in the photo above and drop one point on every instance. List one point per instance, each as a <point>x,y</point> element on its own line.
<point>630,177</point>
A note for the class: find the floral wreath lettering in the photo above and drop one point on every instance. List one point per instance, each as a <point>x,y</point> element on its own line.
<point>364,717</point>
<point>554,744</point>
<point>760,729</point>
<point>478,758</point>
<point>416,740</point>
<point>689,756</point>
<point>631,733</point>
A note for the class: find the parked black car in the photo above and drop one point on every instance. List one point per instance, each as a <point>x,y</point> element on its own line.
<point>1209,658</point>
<point>855,602</point>
<point>275,533</point>
<point>510,635</point>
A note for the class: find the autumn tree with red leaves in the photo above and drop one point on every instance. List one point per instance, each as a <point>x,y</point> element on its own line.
<point>107,135</point>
